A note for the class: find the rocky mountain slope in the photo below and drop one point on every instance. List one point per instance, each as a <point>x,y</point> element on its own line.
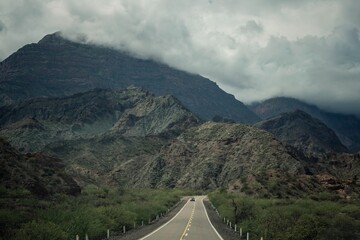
<point>338,172</point>
<point>33,124</point>
<point>305,133</point>
<point>219,154</point>
<point>131,138</point>
<point>58,67</point>
<point>346,127</point>
<point>40,174</point>
<point>96,131</point>
<point>240,158</point>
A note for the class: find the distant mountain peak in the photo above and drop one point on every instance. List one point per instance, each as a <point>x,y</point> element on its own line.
<point>53,38</point>
<point>305,133</point>
<point>346,127</point>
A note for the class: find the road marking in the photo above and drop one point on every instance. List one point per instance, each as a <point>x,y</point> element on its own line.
<point>165,223</point>
<point>207,216</point>
<point>188,224</point>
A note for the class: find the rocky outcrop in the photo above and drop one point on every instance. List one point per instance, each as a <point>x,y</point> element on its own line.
<point>338,172</point>
<point>58,67</point>
<point>303,132</point>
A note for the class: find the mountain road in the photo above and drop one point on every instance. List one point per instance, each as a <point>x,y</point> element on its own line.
<point>190,223</point>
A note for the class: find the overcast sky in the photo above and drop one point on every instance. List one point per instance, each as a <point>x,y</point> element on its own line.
<point>253,49</point>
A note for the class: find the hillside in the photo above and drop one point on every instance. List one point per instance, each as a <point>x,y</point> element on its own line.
<point>57,67</point>
<point>132,138</point>
<point>242,159</point>
<point>219,155</point>
<point>33,124</point>
<point>305,133</point>
<point>346,127</point>
<point>40,174</point>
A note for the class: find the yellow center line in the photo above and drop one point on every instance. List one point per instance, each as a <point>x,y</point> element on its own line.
<point>187,225</point>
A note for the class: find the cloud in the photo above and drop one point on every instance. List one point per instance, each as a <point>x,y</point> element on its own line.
<point>253,49</point>
<point>252,27</point>
<point>2,26</point>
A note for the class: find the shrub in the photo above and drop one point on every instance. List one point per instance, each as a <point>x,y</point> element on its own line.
<point>292,219</point>
<point>41,230</point>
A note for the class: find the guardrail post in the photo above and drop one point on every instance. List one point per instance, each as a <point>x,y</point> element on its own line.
<point>240,232</point>
<point>247,236</point>
<point>134,225</point>
<point>86,237</point>
<point>235,227</point>
<point>142,223</point>
<point>230,224</point>
<point>108,233</point>
<point>77,237</point>
<point>124,229</point>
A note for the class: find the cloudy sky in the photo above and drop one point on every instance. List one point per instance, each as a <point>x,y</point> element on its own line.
<point>253,49</point>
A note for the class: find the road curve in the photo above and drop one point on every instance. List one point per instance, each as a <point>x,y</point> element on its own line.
<point>190,223</point>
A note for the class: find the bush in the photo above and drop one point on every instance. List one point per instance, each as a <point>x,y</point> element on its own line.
<point>93,212</point>
<point>291,219</point>
<point>41,230</point>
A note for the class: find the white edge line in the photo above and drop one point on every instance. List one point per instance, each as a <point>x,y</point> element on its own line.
<point>165,223</point>
<point>202,201</point>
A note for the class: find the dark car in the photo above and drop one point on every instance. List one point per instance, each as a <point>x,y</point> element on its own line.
<point>192,199</point>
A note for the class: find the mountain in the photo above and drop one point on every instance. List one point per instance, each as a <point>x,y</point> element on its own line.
<point>240,158</point>
<point>219,154</point>
<point>132,138</point>
<point>346,127</point>
<point>40,174</point>
<point>97,129</point>
<point>58,67</point>
<point>303,132</point>
<point>207,156</point>
<point>33,124</point>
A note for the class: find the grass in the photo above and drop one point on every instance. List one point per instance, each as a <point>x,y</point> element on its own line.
<point>297,219</point>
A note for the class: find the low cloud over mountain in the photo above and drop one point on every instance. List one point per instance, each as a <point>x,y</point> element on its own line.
<point>255,50</point>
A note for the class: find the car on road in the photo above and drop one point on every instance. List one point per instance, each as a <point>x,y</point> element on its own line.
<point>192,199</point>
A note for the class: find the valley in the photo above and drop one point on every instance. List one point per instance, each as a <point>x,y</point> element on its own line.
<point>103,138</point>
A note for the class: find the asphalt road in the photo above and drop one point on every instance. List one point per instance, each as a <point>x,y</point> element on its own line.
<point>190,223</point>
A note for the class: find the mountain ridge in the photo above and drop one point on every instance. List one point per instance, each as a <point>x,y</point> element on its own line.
<point>32,124</point>
<point>58,67</point>
<point>303,132</point>
<point>346,127</point>
<point>132,138</point>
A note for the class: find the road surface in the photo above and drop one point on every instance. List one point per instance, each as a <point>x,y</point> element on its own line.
<point>190,223</point>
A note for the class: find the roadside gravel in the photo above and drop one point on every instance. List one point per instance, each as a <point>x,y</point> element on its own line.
<point>225,232</point>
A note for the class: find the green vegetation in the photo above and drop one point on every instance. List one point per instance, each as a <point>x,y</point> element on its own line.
<point>290,219</point>
<point>23,216</point>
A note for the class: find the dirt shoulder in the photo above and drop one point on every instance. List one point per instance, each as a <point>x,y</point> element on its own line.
<point>225,232</point>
